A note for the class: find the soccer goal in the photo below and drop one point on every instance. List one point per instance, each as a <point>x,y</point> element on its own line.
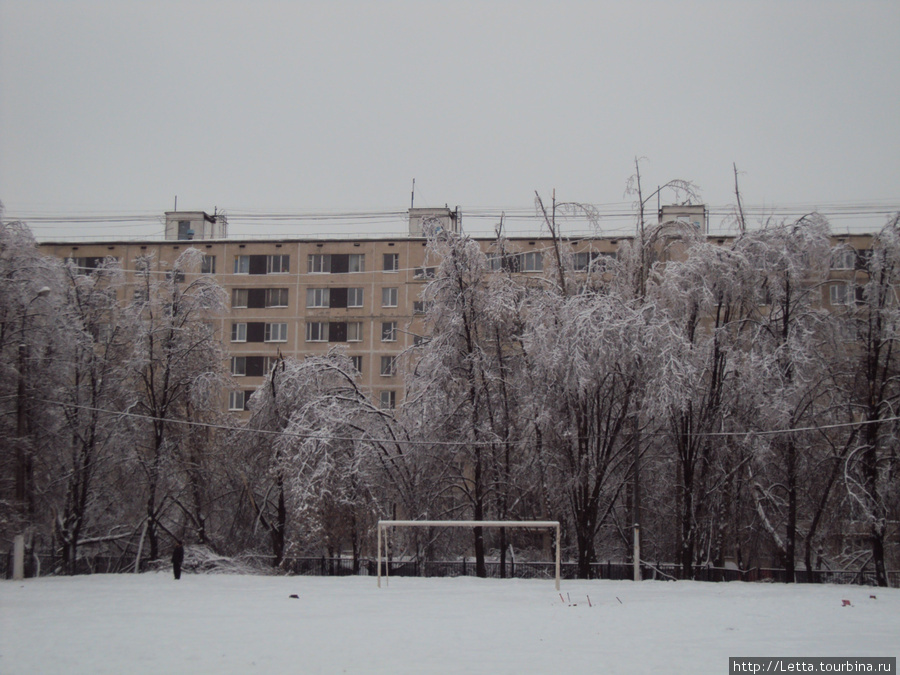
<point>384,525</point>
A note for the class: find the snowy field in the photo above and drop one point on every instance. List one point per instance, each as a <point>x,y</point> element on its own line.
<point>150,623</point>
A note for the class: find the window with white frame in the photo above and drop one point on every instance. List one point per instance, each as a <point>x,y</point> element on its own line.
<point>424,272</point>
<point>583,259</point>
<point>317,331</point>
<point>318,263</point>
<point>357,262</point>
<point>391,262</point>
<point>387,366</point>
<point>357,363</point>
<point>239,298</point>
<point>840,294</point>
<point>533,261</point>
<point>238,366</point>
<point>354,331</point>
<point>317,297</point>
<point>335,263</point>
<point>238,400</point>
<point>276,332</point>
<point>388,399</point>
<point>238,332</point>
<point>276,297</point>
<point>389,331</point>
<point>242,264</point>
<point>86,265</point>
<point>278,264</point>
<point>208,264</point>
<point>843,259</point>
<point>354,297</point>
<point>388,297</point>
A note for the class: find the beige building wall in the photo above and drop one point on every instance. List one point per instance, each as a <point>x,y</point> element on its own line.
<point>391,283</point>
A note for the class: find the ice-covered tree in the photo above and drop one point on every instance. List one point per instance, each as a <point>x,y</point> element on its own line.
<point>175,367</point>
<point>462,380</point>
<point>871,469</point>
<point>95,346</point>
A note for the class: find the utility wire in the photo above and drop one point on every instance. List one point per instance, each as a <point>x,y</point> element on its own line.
<point>389,441</point>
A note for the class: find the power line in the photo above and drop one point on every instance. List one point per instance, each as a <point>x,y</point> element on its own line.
<point>390,441</point>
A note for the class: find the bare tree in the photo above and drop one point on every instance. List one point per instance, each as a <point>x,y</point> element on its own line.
<point>177,357</point>
<point>871,467</point>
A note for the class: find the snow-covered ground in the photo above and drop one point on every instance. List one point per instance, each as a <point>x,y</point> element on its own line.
<point>150,623</point>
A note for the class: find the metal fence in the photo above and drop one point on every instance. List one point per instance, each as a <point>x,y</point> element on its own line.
<point>46,564</point>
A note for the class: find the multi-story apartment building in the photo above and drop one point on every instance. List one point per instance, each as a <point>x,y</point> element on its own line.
<point>296,297</point>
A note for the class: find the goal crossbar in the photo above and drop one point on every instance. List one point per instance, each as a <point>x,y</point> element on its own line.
<point>383,526</point>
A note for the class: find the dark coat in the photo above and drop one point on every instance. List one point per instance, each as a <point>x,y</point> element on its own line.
<point>178,555</point>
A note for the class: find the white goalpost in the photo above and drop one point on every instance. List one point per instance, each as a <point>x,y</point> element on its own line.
<point>383,526</point>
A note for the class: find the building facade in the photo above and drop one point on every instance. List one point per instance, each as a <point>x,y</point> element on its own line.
<point>298,297</point>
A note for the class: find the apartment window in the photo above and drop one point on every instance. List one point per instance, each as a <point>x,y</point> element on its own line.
<point>317,331</point>
<point>249,366</point>
<point>840,294</point>
<point>418,340</point>
<point>389,331</point>
<point>239,366</point>
<point>239,298</point>
<point>208,264</point>
<point>387,366</point>
<point>533,261</point>
<point>278,264</point>
<point>391,262</point>
<point>142,267</point>
<point>420,306</point>
<point>583,260</point>
<point>276,332</point>
<point>276,297</point>
<point>354,331</point>
<point>178,276</point>
<point>239,400</point>
<point>357,363</point>
<point>424,273</point>
<point>499,262</point>
<point>242,264</point>
<point>238,332</point>
<point>85,265</point>
<point>354,297</point>
<point>317,297</point>
<point>335,263</point>
<point>141,294</point>
<point>388,399</point>
<point>843,259</point>
<point>388,297</point>
<point>318,263</point>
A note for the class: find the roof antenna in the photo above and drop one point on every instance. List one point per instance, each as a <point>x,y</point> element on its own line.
<point>176,202</point>
<point>412,195</point>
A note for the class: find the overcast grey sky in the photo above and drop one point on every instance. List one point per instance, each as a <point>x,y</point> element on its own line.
<point>112,107</point>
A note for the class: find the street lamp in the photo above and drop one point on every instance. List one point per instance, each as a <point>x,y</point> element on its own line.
<point>19,541</point>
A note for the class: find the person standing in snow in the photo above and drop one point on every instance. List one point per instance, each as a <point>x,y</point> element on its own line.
<point>177,559</point>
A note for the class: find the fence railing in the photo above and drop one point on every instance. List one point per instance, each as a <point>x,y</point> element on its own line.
<point>46,564</point>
